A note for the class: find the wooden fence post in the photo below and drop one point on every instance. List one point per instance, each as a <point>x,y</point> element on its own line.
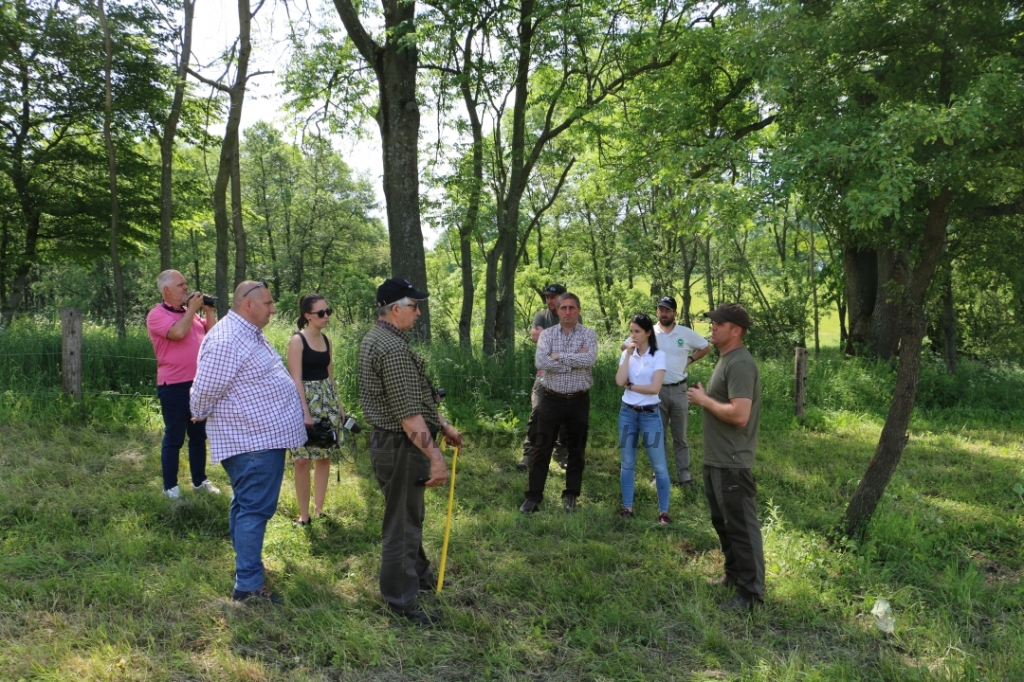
<point>71,344</point>
<point>800,387</point>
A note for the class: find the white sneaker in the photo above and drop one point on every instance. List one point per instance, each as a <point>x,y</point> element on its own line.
<point>210,487</point>
<point>173,493</point>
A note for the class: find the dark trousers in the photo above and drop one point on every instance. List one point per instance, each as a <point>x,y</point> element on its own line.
<point>571,416</point>
<point>731,497</point>
<point>531,425</point>
<point>177,423</point>
<point>404,568</point>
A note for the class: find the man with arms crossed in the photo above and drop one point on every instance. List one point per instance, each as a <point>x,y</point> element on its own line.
<point>565,353</point>
<point>253,415</point>
<point>176,331</point>
<point>682,347</point>
<point>732,411</point>
<point>544,319</point>
<point>398,401</point>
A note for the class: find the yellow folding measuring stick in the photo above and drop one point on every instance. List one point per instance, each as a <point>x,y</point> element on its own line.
<point>448,522</point>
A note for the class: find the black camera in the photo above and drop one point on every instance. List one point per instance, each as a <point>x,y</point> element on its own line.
<point>352,425</point>
<point>210,301</point>
<point>321,434</point>
<point>438,393</point>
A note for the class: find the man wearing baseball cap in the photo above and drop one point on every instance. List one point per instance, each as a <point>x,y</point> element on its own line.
<point>541,321</point>
<point>682,347</point>
<point>398,401</point>
<point>732,410</point>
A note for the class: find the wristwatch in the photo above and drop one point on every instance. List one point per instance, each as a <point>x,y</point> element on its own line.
<point>629,384</point>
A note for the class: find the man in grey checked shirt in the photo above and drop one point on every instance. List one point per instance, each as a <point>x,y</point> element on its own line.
<point>565,353</point>
<point>253,414</point>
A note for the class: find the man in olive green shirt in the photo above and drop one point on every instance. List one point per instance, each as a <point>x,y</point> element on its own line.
<point>398,401</point>
<point>732,412</point>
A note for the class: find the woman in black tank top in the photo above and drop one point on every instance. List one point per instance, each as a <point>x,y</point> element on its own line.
<point>309,363</point>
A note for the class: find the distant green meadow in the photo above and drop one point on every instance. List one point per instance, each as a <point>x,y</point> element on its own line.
<point>103,578</point>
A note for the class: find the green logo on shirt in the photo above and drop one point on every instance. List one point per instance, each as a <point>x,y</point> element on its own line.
<point>679,342</point>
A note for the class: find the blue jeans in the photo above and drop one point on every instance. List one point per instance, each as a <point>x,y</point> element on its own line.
<point>634,428</point>
<point>256,484</point>
<point>178,422</point>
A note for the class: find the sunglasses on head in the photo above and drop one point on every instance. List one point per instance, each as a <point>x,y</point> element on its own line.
<point>320,313</point>
<point>261,284</point>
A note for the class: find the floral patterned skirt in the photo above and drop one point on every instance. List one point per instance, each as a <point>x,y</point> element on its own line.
<point>323,402</point>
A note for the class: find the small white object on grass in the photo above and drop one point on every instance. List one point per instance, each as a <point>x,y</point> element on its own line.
<point>883,616</point>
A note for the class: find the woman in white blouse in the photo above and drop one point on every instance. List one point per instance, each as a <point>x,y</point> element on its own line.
<point>641,371</point>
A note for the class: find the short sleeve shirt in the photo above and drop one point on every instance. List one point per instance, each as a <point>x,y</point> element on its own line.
<point>641,372</point>
<point>175,360</point>
<point>725,445</point>
<point>393,381</point>
<point>678,344</point>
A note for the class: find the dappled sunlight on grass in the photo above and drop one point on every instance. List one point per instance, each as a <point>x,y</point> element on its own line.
<point>97,567</point>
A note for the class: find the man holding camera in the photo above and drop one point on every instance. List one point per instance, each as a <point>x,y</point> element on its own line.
<point>254,413</point>
<point>176,330</point>
<point>401,405</point>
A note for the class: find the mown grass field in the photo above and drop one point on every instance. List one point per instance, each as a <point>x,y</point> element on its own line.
<point>103,578</point>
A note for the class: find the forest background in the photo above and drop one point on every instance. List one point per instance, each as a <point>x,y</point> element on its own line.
<point>850,171</point>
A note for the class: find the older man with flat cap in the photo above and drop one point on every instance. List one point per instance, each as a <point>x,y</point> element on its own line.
<point>732,411</point>
<point>253,414</point>
<point>400,404</point>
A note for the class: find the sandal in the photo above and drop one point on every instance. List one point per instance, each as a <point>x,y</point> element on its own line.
<point>663,519</point>
<point>626,513</point>
<point>298,523</point>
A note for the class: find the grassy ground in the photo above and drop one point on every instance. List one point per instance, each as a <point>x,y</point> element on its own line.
<point>102,578</point>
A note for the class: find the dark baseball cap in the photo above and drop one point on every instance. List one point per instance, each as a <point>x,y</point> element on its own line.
<point>395,289</point>
<point>730,312</point>
<point>553,290</point>
<point>667,302</point>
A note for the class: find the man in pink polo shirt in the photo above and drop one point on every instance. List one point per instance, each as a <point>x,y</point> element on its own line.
<point>176,330</point>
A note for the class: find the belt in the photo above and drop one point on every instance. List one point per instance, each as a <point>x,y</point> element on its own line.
<point>566,396</point>
<point>674,383</point>
<point>641,408</point>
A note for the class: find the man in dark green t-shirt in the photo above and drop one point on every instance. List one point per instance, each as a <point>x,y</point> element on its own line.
<point>732,411</point>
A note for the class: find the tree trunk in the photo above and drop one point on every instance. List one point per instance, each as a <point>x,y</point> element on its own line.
<point>908,374</point>
<point>709,280</point>
<point>949,320</point>
<point>398,117</point>
<point>237,228</point>
<point>490,302</point>
<point>468,227</point>
<point>167,138</point>
<point>108,141</point>
<point>893,269</point>
<point>689,264</point>
<point>597,276</point>
<point>861,267</point>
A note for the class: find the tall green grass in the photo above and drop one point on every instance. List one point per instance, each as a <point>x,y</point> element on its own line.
<point>103,578</point>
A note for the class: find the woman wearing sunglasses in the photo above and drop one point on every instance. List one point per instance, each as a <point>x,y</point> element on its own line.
<point>309,363</point>
<point>641,372</point>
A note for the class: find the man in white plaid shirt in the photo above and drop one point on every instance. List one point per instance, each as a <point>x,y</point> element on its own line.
<point>565,353</point>
<point>253,414</point>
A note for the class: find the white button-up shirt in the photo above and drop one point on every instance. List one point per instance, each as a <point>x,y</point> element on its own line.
<point>245,393</point>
